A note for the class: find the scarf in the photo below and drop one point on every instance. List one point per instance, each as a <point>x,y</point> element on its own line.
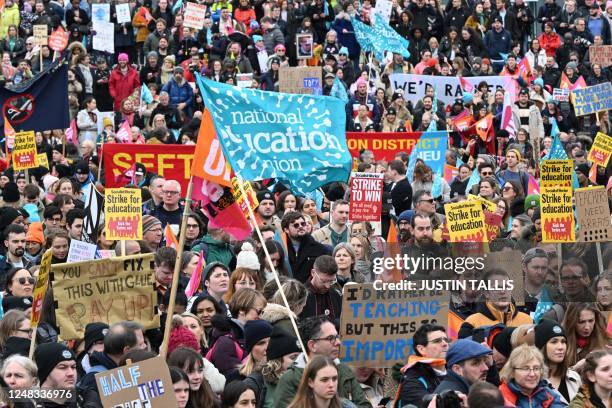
<point>582,342</point>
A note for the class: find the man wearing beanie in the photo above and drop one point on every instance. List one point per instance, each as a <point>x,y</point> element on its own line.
<point>266,210</point>
<point>512,171</point>
<point>151,232</point>
<point>320,338</point>
<point>56,370</point>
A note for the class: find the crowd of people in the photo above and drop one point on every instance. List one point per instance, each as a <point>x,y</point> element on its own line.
<point>233,343</point>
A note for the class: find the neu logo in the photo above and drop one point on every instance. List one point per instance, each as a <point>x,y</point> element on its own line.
<point>18,109</point>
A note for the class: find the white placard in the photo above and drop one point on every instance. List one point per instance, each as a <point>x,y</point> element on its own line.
<point>384,8</point>
<point>244,80</point>
<point>104,40</point>
<point>81,251</point>
<point>123,13</point>
<point>194,16</point>
<point>100,13</point>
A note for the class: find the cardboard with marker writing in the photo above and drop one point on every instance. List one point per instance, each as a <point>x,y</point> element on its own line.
<point>593,215</point>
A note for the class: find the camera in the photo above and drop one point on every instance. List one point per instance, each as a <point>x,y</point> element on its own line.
<point>447,399</point>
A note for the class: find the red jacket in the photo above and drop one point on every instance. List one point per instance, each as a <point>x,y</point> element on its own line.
<point>550,43</point>
<point>121,86</point>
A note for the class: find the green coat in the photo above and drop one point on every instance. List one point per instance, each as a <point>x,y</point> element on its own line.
<point>348,386</point>
<point>217,251</point>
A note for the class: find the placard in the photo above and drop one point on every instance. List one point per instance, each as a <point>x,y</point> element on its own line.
<point>304,43</point>
<point>465,221</point>
<point>81,251</point>
<point>244,80</point>
<point>593,99</point>
<point>492,224</point>
<point>248,189</point>
<point>123,13</point>
<point>593,214</point>
<point>40,34</point>
<point>43,160</point>
<point>105,290</point>
<point>561,95</point>
<point>510,262</point>
<point>384,145</point>
<point>100,13</point>
<point>146,383</point>
<point>486,204</point>
<point>556,173</point>
<point>600,54</point>
<point>601,149</point>
<point>104,40</point>
<point>24,154</point>
<point>366,196</point>
<point>291,79</point>
<point>377,326</point>
<point>40,288</point>
<point>101,116</point>
<point>123,213</point>
<point>384,8</point>
<point>558,224</point>
<point>58,40</point>
<point>194,16</point>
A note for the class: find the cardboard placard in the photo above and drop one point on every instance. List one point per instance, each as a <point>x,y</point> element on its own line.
<point>24,154</point>
<point>510,262</point>
<point>81,251</point>
<point>104,290</point>
<point>556,173</point>
<point>601,150</point>
<point>40,34</point>
<point>600,54</point>
<point>592,99</point>
<point>593,214</point>
<point>377,325</point>
<point>123,213</point>
<point>558,224</point>
<point>300,80</point>
<point>194,16</point>
<point>143,384</point>
<point>366,196</point>
<point>465,222</point>
<point>123,13</point>
<point>40,288</point>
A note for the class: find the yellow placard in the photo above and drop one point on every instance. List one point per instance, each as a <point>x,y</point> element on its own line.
<point>465,222</point>
<point>41,288</point>
<point>24,153</point>
<point>486,204</point>
<point>248,189</point>
<point>556,173</point>
<point>123,213</point>
<point>558,224</point>
<point>43,160</point>
<point>601,149</point>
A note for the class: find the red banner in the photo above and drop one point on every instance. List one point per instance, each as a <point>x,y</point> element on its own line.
<point>169,161</point>
<point>384,145</point>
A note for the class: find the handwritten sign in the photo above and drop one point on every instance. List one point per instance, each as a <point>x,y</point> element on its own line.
<point>377,325</point>
<point>81,251</point>
<point>104,39</point>
<point>105,290</point>
<point>366,196</point>
<point>123,213</point>
<point>123,13</point>
<point>40,290</point>
<point>194,16</point>
<point>558,223</point>
<point>593,214</point>
<point>601,150</point>
<point>593,99</point>
<point>40,34</point>
<point>24,153</point>
<point>600,54</point>
<point>143,384</point>
<point>465,222</point>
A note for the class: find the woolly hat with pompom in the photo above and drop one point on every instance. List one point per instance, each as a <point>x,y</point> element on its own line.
<point>247,258</point>
<point>181,336</point>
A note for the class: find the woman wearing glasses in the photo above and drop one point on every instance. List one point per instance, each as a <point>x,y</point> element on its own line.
<point>15,332</point>
<point>524,380</point>
<point>19,282</point>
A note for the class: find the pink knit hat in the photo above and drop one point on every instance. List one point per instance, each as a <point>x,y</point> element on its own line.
<point>123,57</point>
<point>608,4</point>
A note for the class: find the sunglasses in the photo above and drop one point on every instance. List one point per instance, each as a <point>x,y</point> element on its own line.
<point>508,188</point>
<point>22,281</point>
<point>299,224</point>
<point>430,201</point>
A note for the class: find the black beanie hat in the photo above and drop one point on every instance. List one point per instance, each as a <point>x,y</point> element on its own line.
<point>10,193</point>
<point>7,216</point>
<point>546,330</point>
<point>501,342</point>
<point>94,332</point>
<point>209,268</point>
<point>63,171</point>
<point>281,343</point>
<point>255,331</point>
<point>16,302</point>
<point>48,355</point>
<point>16,345</point>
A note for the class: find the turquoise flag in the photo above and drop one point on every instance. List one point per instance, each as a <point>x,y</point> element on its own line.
<point>298,139</point>
<point>436,189</point>
<point>379,37</point>
<point>177,6</point>
<point>474,180</point>
<point>338,91</point>
<point>557,152</point>
<point>431,148</point>
<point>145,94</point>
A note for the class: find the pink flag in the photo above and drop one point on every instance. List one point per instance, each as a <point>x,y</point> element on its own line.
<point>71,133</point>
<point>124,134</point>
<point>506,120</point>
<point>196,277</point>
<point>466,85</point>
<point>533,187</point>
<point>126,177</point>
<point>579,84</point>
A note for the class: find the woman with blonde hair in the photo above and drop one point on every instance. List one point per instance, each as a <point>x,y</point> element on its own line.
<point>586,331</point>
<point>363,257</point>
<point>276,312</point>
<point>524,380</point>
<point>345,258</point>
<point>319,385</point>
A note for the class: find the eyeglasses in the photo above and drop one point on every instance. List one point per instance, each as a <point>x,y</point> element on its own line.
<point>170,192</point>
<point>439,340</point>
<point>486,173</point>
<point>54,219</point>
<point>526,370</point>
<point>570,278</point>
<point>430,201</point>
<point>193,226</point>
<point>298,224</point>
<point>331,338</point>
<point>22,281</point>
<point>326,282</point>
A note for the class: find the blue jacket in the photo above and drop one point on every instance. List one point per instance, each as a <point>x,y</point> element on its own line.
<point>498,42</point>
<point>543,396</point>
<point>179,93</point>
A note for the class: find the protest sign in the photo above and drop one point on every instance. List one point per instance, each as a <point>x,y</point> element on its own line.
<point>40,34</point>
<point>561,95</point>
<point>104,290</point>
<point>24,153</point>
<point>492,224</point>
<point>384,8</point>
<point>123,13</point>
<point>557,214</point>
<point>40,289</point>
<point>556,173</point>
<point>300,80</point>
<point>81,251</point>
<point>43,160</point>
<point>384,145</point>
<point>123,213</point>
<point>486,204</point>
<point>244,80</point>
<point>600,54</point>
<point>104,39</point>
<point>510,262</point>
<point>100,13</point>
<point>448,88</point>
<point>601,150</point>
<point>593,99</point>
<point>172,162</point>
<point>304,45</point>
<point>465,222</point>
<point>194,16</point>
<point>58,40</point>
<point>146,383</point>
<point>377,326</point>
<point>100,123</point>
<point>366,196</point>
<point>297,139</point>
<point>593,215</point>
<point>251,195</point>
<point>105,254</point>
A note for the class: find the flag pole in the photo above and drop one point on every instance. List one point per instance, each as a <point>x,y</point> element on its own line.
<point>163,350</point>
<point>275,273</point>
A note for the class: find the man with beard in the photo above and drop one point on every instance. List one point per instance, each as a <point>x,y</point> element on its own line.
<point>323,296</point>
<point>14,242</point>
<point>302,249</point>
<point>422,246</point>
<point>466,364</point>
<point>123,80</point>
<point>266,211</point>
<point>404,226</point>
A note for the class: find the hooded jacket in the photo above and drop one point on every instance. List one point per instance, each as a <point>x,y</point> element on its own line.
<point>487,315</point>
<point>543,396</point>
<point>121,86</point>
<point>420,378</point>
